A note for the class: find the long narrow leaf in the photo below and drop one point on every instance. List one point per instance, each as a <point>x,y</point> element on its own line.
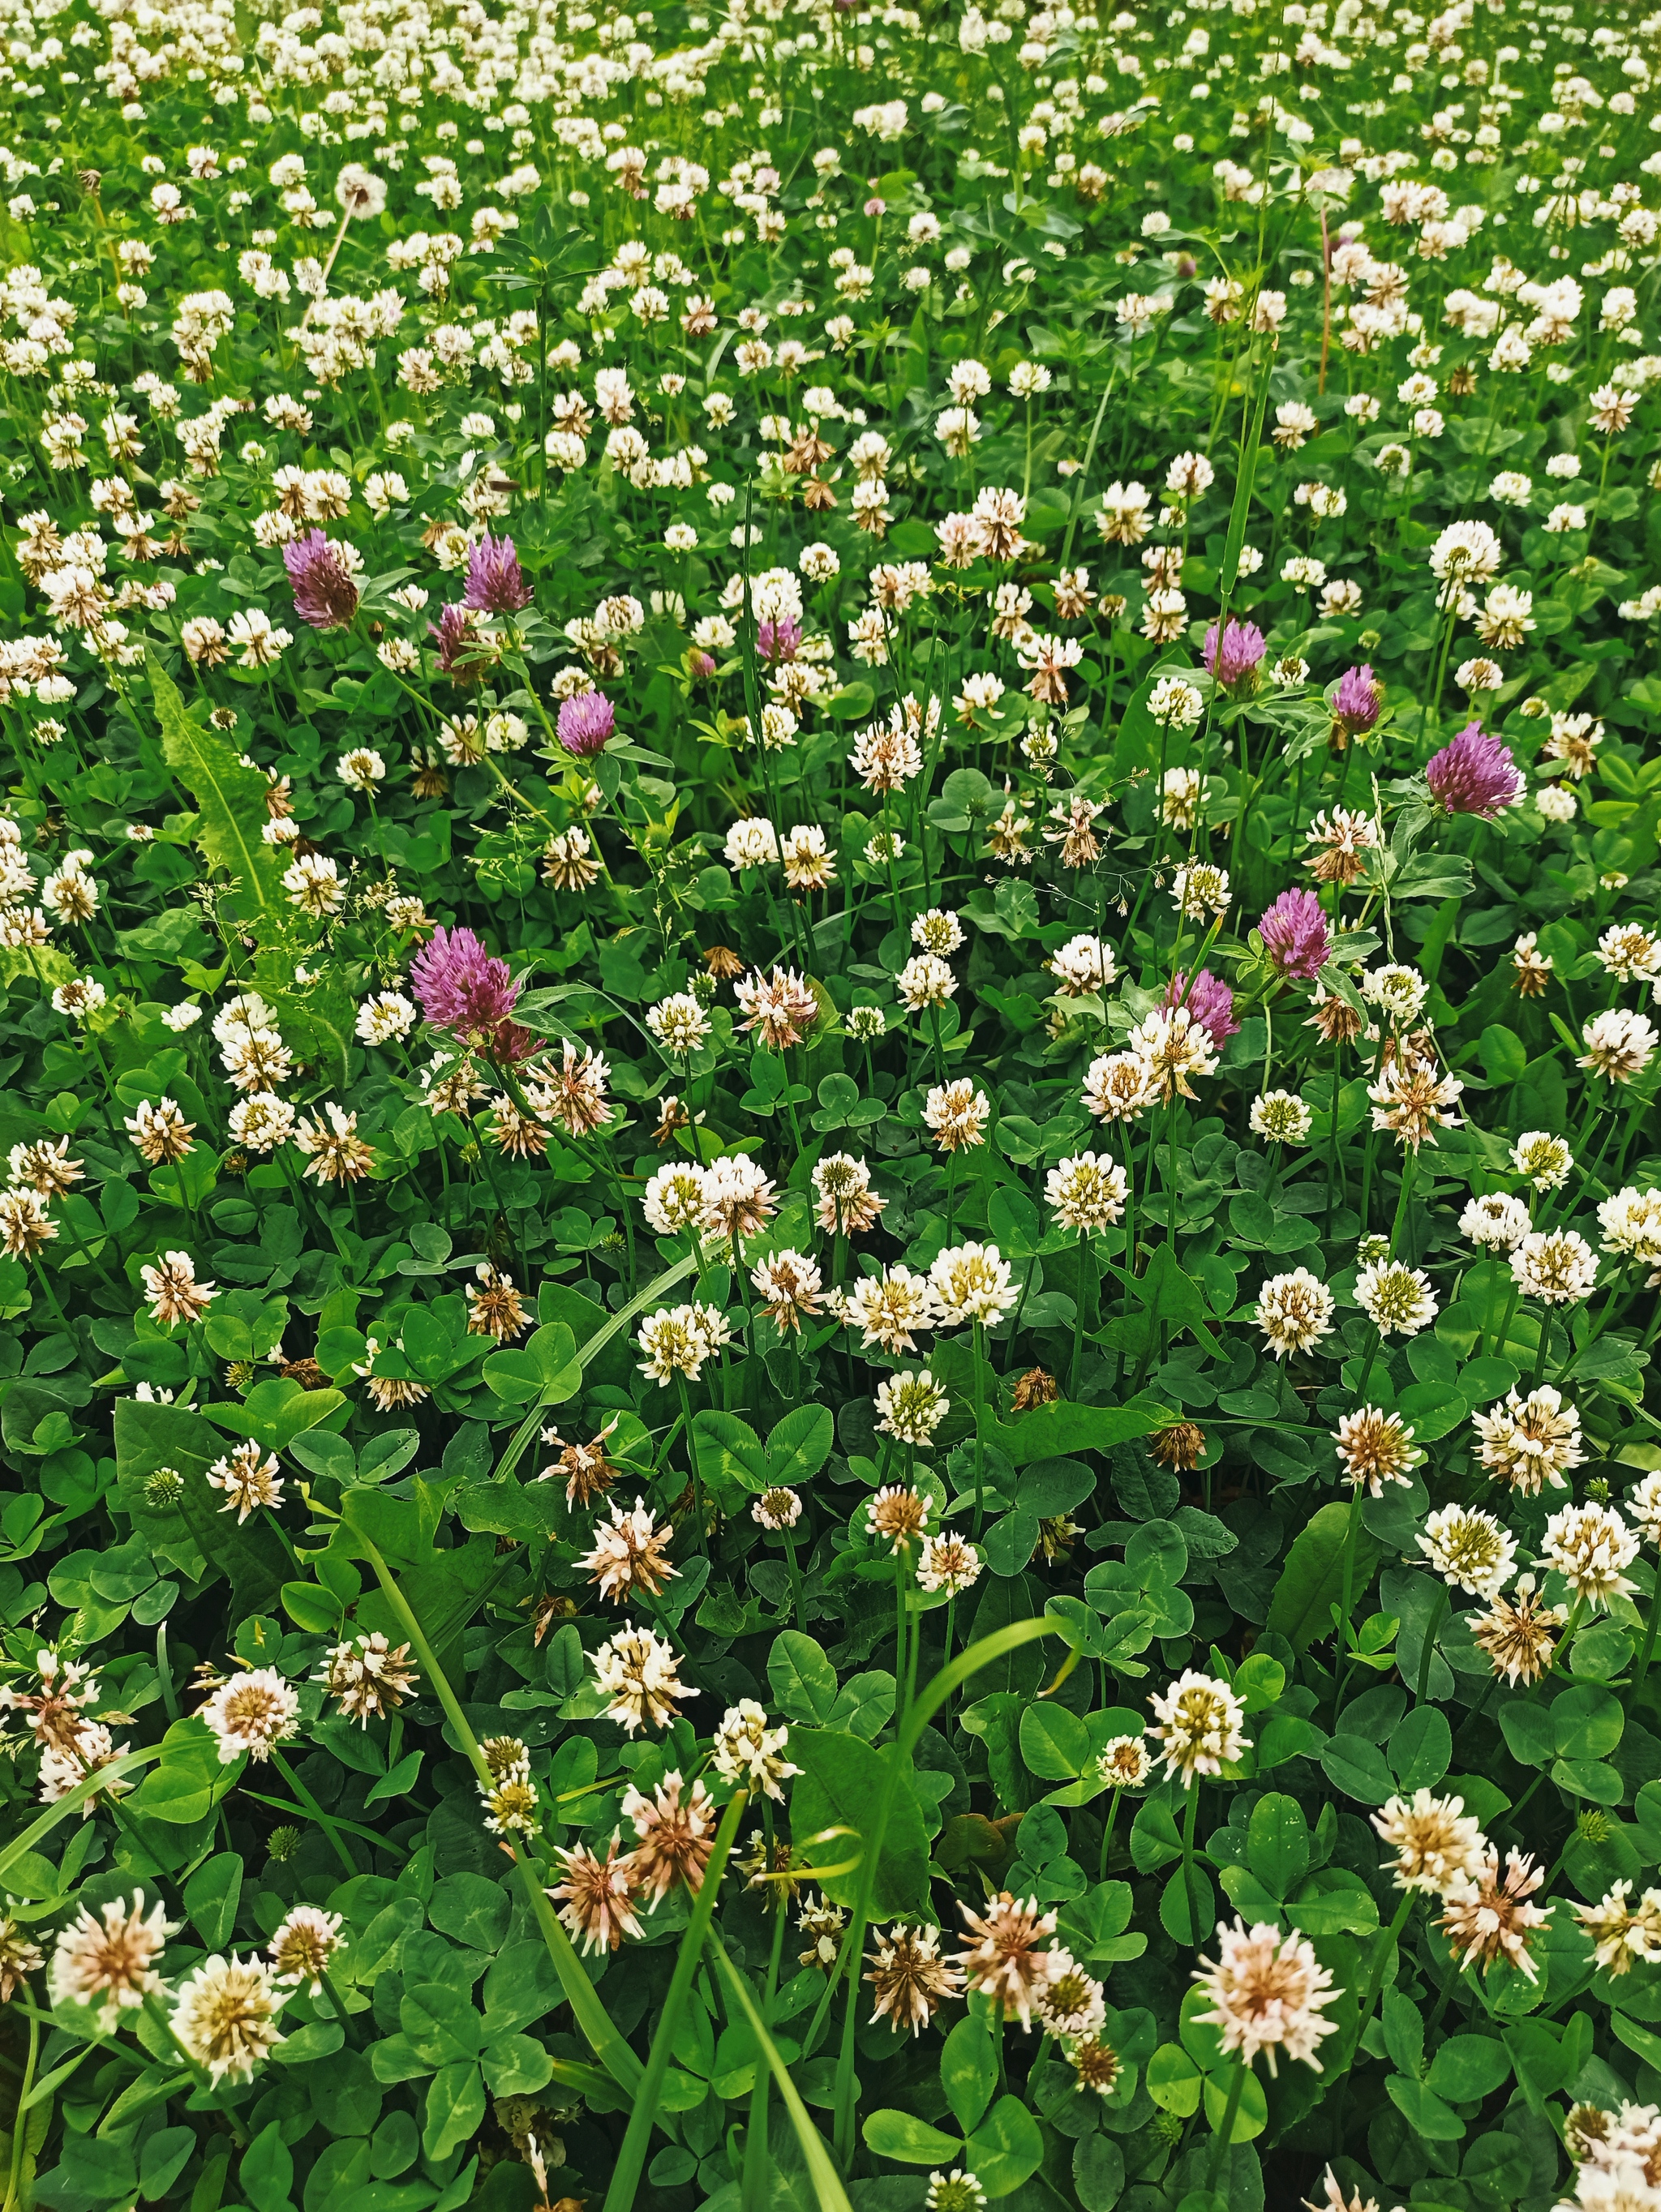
<point>71,1801</point>
<point>592,2017</point>
<point>923,1708</point>
<point>827,2184</point>
<point>637,2136</point>
<point>520,1443</point>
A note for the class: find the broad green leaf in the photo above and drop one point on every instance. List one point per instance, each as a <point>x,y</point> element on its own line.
<point>1006,2148</point>
<point>1174,2081</point>
<point>1420,1749</point>
<point>189,1780</point>
<point>1054,1430</point>
<point>969,2070</point>
<point>1277,1844</point>
<point>841,1786</point>
<point>1054,1742</point>
<point>912,2142</point>
<point>1424,2111</point>
<point>211,1896</point>
<point>1468,2067</point>
<point>1313,1580</point>
<point>267,2171</point>
<point>230,799</point>
<point>1358,1767</point>
<point>800,1444</point>
<point>453,2109</point>
<point>1251,2115</point>
<point>802,1679</point>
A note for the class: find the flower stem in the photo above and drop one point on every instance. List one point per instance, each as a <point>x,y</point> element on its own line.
<point>1225,2142</point>
<point>592,2017</point>
<point>318,1813</point>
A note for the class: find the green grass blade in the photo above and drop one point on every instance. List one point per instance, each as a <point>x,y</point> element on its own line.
<point>592,2017</point>
<point>637,2136</point>
<point>71,1801</point>
<point>520,1443</point>
<point>827,2184</point>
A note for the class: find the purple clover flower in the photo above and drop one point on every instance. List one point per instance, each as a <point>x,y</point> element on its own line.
<point>586,720</point>
<point>324,593</point>
<point>1357,701</point>
<point>1210,1001</point>
<point>464,654</point>
<point>1475,773</point>
<point>1295,936</point>
<point>779,640</point>
<point>496,582</point>
<point>1243,645</point>
<point>467,991</point>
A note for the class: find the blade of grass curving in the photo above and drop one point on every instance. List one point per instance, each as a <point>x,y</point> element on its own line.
<point>592,2017</point>
<point>827,2185</point>
<point>520,1443</point>
<point>927,1703</point>
<point>71,1801</point>
<point>637,2136</point>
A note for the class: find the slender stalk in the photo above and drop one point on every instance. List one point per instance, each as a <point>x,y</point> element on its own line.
<point>1438,1612</point>
<point>1191,1815</point>
<point>1225,2142</point>
<point>642,2118</point>
<point>318,1813</point>
<point>198,2072</point>
<point>1646,1648</point>
<point>19,2120</point>
<point>591,2015</point>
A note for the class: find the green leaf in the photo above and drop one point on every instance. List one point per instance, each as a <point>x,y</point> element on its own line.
<point>1005,2150</point>
<point>314,1610</point>
<point>1054,1430</point>
<point>1424,2111</point>
<point>1154,1839</point>
<point>969,2070</point>
<point>211,1896</point>
<point>544,1367</point>
<point>1169,1295</point>
<point>802,1679</point>
<point>521,1986</point>
<point>267,2173</point>
<point>910,2141</point>
<point>1468,2067</point>
<point>517,2066</point>
<point>841,1786</point>
<point>1277,1844</point>
<point>731,1458</point>
<point>1420,1749</point>
<point>1099,2172</point>
<point>1357,1767</point>
<point>230,799</point>
<point>189,1781</point>
<point>1174,2081</point>
<point>471,1909</point>
<point>1313,1580</point>
<point>1404,2032</point>
<point>1504,1055</point>
<point>1587,1722</point>
<point>455,2108</point>
<point>162,2159</point>
<point>1526,1725</point>
<point>440,2023</point>
<point>1054,1742</point>
<point>1187,1907</point>
<point>1251,2114</point>
<point>799,1445</point>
